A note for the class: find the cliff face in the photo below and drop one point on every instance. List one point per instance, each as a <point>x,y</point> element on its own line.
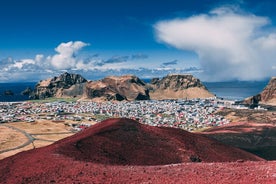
<point>63,85</point>
<point>126,87</point>
<point>269,93</point>
<point>267,96</point>
<point>178,86</point>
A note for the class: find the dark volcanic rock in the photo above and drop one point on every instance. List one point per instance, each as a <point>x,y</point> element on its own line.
<point>28,91</point>
<point>59,86</point>
<point>126,87</point>
<point>155,81</point>
<point>175,86</point>
<point>75,90</point>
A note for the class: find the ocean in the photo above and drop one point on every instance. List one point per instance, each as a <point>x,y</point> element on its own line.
<point>16,89</point>
<point>236,90</point>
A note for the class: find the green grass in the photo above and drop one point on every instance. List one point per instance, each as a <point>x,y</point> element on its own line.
<point>101,117</point>
<point>47,100</point>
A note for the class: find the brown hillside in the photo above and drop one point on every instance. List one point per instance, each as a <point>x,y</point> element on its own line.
<point>127,87</point>
<point>268,95</point>
<point>175,86</point>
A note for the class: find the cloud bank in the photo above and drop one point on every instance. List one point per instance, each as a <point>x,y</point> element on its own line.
<point>68,57</point>
<point>230,44</point>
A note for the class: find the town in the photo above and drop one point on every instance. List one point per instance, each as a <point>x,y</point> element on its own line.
<point>189,115</point>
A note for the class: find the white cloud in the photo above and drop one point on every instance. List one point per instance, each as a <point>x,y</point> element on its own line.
<point>66,57</point>
<point>230,44</point>
<point>20,64</point>
<point>39,58</point>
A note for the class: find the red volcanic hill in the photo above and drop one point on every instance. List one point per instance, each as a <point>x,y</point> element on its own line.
<point>114,148</point>
<point>127,142</point>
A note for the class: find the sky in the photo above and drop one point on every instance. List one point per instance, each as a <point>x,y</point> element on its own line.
<point>215,40</point>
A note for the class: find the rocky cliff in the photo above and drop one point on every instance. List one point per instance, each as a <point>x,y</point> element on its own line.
<point>65,85</point>
<point>269,93</point>
<point>267,96</point>
<point>175,86</point>
<point>126,87</point>
<point>28,91</point>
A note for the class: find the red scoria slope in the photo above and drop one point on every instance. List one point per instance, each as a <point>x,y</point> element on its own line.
<point>127,142</point>
<point>124,151</point>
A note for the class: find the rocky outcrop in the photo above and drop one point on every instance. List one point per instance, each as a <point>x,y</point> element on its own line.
<point>126,87</point>
<point>28,91</point>
<point>65,85</point>
<point>8,93</point>
<point>269,93</point>
<point>176,86</point>
<point>267,96</point>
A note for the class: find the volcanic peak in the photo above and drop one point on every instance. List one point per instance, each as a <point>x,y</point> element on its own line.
<point>121,141</point>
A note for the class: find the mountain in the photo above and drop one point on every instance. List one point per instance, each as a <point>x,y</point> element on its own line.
<point>267,96</point>
<point>174,86</point>
<point>127,87</point>
<point>114,148</point>
<point>64,85</point>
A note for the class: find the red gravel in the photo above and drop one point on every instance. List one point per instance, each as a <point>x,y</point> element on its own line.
<point>124,151</point>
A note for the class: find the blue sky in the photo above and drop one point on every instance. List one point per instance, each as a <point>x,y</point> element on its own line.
<point>214,40</point>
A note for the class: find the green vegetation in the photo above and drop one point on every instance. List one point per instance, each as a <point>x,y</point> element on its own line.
<point>101,117</point>
<point>53,99</point>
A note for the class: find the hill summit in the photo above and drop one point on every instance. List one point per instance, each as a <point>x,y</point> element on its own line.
<point>64,85</point>
<point>174,86</point>
<point>126,142</point>
<point>112,149</point>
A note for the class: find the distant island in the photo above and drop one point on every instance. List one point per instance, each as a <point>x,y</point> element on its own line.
<point>8,93</point>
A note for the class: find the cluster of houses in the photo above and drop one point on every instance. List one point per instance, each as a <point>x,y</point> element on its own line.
<point>185,114</point>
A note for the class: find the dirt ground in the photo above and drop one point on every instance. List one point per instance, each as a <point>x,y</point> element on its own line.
<point>10,138</point>
<point>43,132</point>
<point>248,115</point>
